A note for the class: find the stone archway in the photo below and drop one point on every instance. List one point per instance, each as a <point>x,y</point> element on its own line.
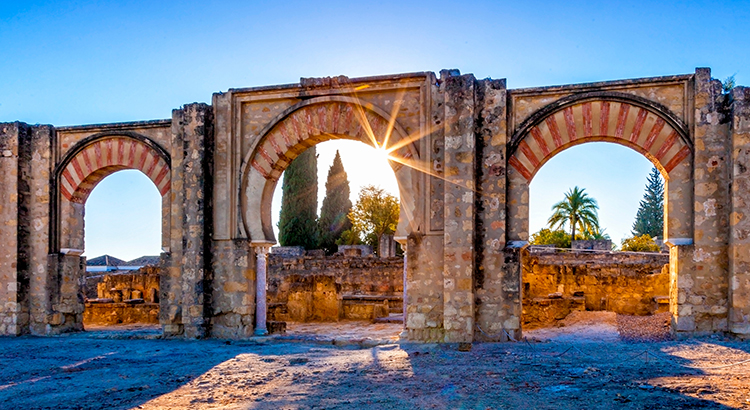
<point>307,124</point>
<point>300,127</point>
<point>85,165</point>
<point>604,117</point>
<point>92,160</point>
<point>626,120</point>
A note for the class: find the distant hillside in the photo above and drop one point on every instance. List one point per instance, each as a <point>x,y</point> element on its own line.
<point>105,260</point>
<point>144,261</point>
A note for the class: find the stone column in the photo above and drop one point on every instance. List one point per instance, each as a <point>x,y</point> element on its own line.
<point>458,236</point>
<point>498,302</point>
<point>402,242</point>
<point>186,285</point>
<point>704,307</point>
<point>10,291</point>
<point>739,220</point>
<point>261,304</point>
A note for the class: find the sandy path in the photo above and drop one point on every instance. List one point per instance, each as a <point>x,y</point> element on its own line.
<point>107,370</point>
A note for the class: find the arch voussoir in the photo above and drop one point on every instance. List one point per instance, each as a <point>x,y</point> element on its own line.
<point>107,155</point>
<point>610,120</point>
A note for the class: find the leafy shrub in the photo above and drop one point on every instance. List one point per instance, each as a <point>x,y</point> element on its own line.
<point>643,243</point>
<point>559,238</point>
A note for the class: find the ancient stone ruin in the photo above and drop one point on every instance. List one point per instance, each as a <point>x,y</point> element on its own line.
<point>463,151</point>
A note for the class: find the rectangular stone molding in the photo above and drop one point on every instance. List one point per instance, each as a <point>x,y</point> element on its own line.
<point>424,284</point>
<point>66,314</point>
<point>497,309</point>
<point>460,157</point>
<point>739,218</point>
<point>187,303</point>
<point>233,301</point>
<point>10,286</point>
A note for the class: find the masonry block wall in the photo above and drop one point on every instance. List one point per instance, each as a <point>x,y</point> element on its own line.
<point>464,154</point>
<point>624,282</point>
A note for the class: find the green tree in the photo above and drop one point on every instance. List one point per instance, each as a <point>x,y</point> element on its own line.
<point>643,243</point>
<point>728,84</point>
<point>299,202</point>
<point>577,209</point>
<point>334,214</point>
<point>545,236</point>
<point>375,213</point>
<point>650,217</point>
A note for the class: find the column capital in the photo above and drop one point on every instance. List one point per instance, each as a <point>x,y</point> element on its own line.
<point>261,247</point>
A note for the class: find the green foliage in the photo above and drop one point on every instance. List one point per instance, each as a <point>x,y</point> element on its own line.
<point>299,202</point>
<point>728,84</point>
<point>577,209</point>
<point>558,237</point>
<point>595,233</point>
<point>650,217</point>
<point>334,219</point>
<point>350,237</point>
<point>643,243</point>
<point>375,213</point>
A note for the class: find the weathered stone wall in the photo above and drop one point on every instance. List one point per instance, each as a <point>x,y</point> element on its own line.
<point>466,151</point>
<point>109,314</point>
<point>311,288</point>
<point>354,275</point>
<point>621,282</point>
<point>140,284</point>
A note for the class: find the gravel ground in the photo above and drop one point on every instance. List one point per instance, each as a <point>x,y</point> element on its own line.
<point>133,369</point>
<point>654,328</point>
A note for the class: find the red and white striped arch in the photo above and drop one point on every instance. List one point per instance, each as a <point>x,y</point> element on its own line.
<point>315,123</point>
<point>106,156</point>
<point>603,120</point>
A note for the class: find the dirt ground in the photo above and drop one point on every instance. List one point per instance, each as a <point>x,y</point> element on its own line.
<point>581,365</point>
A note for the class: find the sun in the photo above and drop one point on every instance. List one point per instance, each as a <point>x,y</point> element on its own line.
<point>382,154</point>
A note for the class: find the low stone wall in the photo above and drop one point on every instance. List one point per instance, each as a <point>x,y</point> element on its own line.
<point>140,284</point>
<point>555,283</point>
<point>330,288</point>
<point>120,313</point>
<point>123,298</point>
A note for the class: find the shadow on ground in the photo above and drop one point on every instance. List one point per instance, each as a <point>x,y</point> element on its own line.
<point>94,370</point>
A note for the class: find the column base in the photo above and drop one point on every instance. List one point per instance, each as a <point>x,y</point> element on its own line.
<point>260,332</point>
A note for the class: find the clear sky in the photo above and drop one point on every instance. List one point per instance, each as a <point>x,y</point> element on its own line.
<point>80,62</point>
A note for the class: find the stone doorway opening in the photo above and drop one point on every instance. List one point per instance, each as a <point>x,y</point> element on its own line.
<point>590,287</point>
<point>355,289</point>
<point>121,282</point>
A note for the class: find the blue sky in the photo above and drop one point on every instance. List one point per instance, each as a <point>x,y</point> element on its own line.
<point>66,62</point>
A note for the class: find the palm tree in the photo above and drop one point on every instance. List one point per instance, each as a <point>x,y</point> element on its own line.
<point>578,209</point>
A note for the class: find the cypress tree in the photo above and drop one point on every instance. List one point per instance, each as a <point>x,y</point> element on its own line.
<point>299,202</point>
<point>650,217</point>
<point>336,206</point>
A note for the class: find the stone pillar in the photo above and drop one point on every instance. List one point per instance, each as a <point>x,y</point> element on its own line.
<point>498,304</point>
<point>186,292</point>
<point>9,291</point>
<point>37,226</point>
<point>403,241</point>
<point>706,284</point>
<point>460,157</point>
<point>739,220</point>
<point>261,303</point>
